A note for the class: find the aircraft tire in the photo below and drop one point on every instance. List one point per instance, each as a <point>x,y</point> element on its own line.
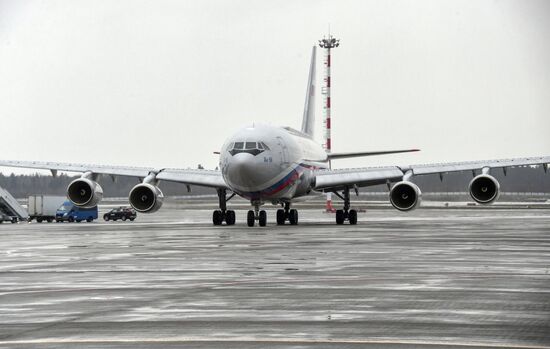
<point>340,217</point>
<point>230,217</point>
<point>217,217</point>
<point>352,217</point>
<point>280,217</point>
<point>293,216</point>
<point>250,218</point>
<point>262,219</point>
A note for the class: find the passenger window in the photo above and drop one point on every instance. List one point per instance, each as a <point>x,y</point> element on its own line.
<point>238,145</point>
<point>250,145</point>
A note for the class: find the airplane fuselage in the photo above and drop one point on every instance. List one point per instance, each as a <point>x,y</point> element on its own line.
<point>268,163</point>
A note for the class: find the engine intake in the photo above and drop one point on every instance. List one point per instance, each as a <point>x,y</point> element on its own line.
<point>405,196</point>
<point>484,189</point>
<point>146,198</point>
<point>84,192</point>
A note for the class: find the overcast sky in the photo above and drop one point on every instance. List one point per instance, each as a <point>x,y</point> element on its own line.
<point>163,83</point>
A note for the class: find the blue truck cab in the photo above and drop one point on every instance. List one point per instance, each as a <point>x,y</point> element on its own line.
<point>72,213</point>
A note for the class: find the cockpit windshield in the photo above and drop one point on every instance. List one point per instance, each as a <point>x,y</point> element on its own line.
<point>253,148</point>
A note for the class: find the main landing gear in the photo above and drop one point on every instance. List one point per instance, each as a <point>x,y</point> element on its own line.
<point>223,214</point>
<point>287,214</point>
<point>346,213</point>
<point>256,215</point>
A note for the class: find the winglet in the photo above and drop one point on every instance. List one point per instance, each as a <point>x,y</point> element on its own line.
<point>308,121</point>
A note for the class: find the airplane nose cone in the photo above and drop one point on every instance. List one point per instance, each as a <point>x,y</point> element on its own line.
<point>246,171</point>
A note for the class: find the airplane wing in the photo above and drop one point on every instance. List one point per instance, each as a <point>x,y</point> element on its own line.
<point>204,178</point>
<point>333,180</point>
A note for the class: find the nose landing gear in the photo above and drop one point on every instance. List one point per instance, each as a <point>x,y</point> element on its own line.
<point>287,214</point>
<point>346,213</point>
<point>256,215</point>
<point>223,214</point>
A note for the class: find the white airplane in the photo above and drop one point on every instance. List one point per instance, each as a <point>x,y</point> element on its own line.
<point>280,165</point>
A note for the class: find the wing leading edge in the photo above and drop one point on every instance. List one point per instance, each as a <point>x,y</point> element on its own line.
<point>332,180</point>
<point>204,178</point>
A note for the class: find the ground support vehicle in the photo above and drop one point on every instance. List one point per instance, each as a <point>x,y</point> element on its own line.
<point>68,212</point>
<point>43,207</point>
<point>122,213</point>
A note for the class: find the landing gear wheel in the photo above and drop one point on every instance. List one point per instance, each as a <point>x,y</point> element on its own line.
<point>49,220</point>
<point>281,217</point>
<point>250,218</point>
<point>293,216</point>
<point>39,220</point>
<point>230,217</point>
<point>217,217</point>
<point>262,219</point>
<point>352,217</point>
<point>340,217</point>
<point>89,219</point>
<point>14,220</point>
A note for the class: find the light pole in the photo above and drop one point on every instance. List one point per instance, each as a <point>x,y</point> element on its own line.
<point>328,44</point>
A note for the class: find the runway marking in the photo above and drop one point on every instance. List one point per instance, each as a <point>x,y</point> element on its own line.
<point>271,341</point>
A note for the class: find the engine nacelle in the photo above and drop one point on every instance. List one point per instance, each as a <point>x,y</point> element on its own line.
<point>405,196</point>
<point>484,189</point>
<point>146,198</point>
<point>84,192</point>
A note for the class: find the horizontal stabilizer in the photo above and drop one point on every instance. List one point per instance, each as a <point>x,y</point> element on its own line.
<point>333,156</point>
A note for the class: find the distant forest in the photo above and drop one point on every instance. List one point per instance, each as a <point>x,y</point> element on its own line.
<point>524,179</point>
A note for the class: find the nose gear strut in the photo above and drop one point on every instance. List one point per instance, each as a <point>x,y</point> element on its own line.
<point>256,215</point>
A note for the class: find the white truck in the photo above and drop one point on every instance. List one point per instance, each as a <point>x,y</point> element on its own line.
<point>43,207</point>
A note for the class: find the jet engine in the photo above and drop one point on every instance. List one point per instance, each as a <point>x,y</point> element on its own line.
<point>484,189</point>
<point>84,192</point>
<point>146,198</point>
<point>405,196</point>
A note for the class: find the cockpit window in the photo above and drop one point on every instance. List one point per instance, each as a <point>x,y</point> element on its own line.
<point>253,148</point>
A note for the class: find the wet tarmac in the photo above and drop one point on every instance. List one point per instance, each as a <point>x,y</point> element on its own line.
<point>448,278</point>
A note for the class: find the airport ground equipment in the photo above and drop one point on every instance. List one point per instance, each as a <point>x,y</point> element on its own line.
<point>42,208</point>
<point>122,213</point>
<point>69,212</point>
<point>10,207</point>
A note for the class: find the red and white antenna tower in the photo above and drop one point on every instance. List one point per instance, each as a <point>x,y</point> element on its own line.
<point>328,44</point>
